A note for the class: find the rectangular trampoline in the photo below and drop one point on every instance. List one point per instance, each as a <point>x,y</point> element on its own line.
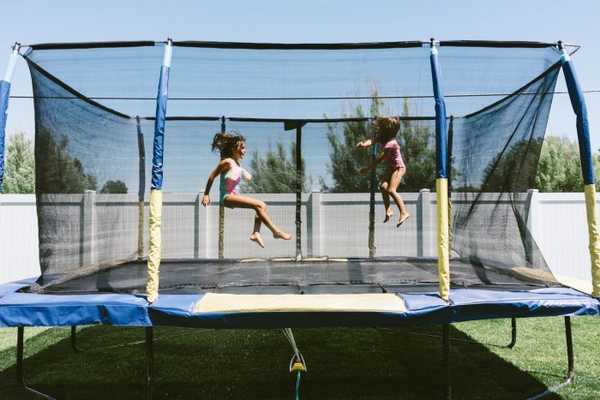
<point>126,238</point>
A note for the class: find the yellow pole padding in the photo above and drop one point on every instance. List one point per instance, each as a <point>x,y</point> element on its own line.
<point>140,250</point>
<point>441,192</point>
<point>154,245</point>
<point>590,205</point>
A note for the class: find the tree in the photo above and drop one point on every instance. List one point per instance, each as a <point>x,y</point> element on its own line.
<point>514,170</point>
<point>559,169</point>
<point>56,170</point>
<point>19,174</point>
<point>275,172</point>
<point>415,139</point>
<point>114,187</point>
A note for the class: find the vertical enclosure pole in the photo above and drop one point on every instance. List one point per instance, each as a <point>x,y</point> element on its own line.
<point>450,138</point>
<point>372,190</point>
<point>441,182</point>
<point>587,165</point>
<point>222,212</point>
<point>154,251</point>
<point>299,180</point>
<point>4,98</point>
<point>142,187</point>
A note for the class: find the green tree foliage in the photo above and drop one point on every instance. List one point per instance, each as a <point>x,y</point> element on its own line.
<point>114,187</point>
<point>549,165</point>
<point>513,170</point>
<point>559,169</point>
<point>346,159</point>
<point>416,143</point>
<point>19,175</point>
<point>57,171</point>
<point>417,140</point>
<point>275,171</point>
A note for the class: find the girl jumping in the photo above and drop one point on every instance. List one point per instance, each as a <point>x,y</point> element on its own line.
<point>386,130</point>
<point>232,148</point>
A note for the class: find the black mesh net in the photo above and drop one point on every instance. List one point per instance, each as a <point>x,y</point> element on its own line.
<point>302,112</point>
<point>495,153</point>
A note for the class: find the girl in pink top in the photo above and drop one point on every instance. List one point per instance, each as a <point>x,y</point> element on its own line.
<point>232,149</point>
<point>386,130</point>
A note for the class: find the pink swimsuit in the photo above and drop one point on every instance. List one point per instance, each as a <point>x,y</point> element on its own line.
<point>230,181</point>
<point>392,156</point>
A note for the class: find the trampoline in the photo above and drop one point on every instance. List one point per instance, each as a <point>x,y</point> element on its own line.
<point>124,239</point>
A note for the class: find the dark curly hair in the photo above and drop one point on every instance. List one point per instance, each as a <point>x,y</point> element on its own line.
<point>226,143</point>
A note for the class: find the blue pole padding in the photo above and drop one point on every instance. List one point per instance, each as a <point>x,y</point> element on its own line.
<point>583,127</point>
<point>4,96</point>
<point>441,139</point>
<point>159,122</point>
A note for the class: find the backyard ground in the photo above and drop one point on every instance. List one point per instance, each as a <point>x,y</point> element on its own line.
<point>343,363</point>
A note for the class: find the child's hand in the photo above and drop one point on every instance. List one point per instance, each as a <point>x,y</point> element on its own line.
<point>363,143</point>
<point>205,200</point>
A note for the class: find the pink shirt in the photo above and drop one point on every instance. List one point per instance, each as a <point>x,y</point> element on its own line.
<point>391,154</point>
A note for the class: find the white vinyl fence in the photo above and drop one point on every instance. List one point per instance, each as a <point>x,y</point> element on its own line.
<point>333,224</point>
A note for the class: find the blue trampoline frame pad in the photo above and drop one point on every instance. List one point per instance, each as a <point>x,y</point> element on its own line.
<point>214,310</point>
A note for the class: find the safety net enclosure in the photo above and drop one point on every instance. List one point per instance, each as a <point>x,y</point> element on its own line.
<point>104,143</point>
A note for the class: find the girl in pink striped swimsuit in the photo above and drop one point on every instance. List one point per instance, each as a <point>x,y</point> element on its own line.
<point>233,149</point>
<point>386,130</point>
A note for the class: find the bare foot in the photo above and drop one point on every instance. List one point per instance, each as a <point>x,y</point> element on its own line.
<point>255,237</point>
<point>388,215</point>
<point>282,235</point>
<point>403,217</point>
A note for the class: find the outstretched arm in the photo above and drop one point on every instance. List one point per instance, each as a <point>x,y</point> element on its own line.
<point>222,167</point>
<point>364,143</point>
<point>246,175</point>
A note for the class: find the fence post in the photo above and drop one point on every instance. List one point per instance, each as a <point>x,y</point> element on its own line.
<point>424,223</point>
<point>313,226</point>
<point>532,204</point>
<point>88,223</point>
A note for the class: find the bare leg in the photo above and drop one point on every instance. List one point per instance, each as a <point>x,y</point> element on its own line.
<point>237,201</point>
<point>395,178</point>
<point>386,202</point>
<point>255,235</point>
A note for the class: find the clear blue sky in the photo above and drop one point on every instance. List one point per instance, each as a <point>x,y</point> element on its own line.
<point>37,21</point>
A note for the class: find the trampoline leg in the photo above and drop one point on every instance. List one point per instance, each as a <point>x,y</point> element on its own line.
<point>149,360</point>
<point>74,339</point>
<point>513,331</point>
<point>445,362</point>
<point>570,356</point>
<point>20,372</point>
<point>570,364</point>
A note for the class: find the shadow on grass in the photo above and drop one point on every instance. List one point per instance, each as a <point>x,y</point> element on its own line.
<point>403,363</point>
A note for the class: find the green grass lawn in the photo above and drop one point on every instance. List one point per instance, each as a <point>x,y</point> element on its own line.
<point>342,363</point>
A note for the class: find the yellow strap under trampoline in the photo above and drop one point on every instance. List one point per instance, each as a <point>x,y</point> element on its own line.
<point>594,237</point>
<point>441,191</point>
<point>154,245</point>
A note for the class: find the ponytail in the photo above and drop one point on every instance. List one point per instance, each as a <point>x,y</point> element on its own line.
<point>226,143</point>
